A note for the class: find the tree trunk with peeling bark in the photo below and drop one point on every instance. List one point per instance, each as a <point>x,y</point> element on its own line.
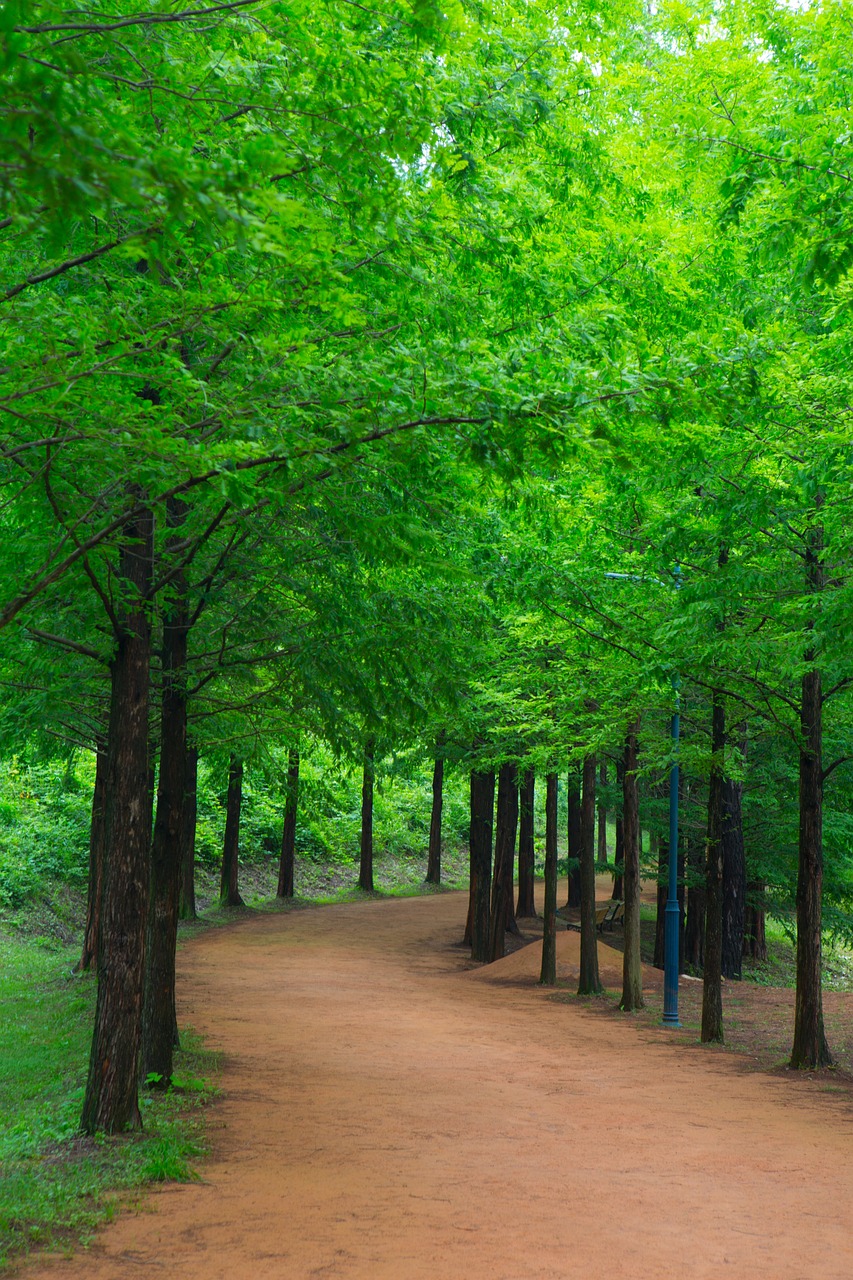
<point>573,804</point>
<point>810,1048</point>
<point>111,1101</point>
<point>186,906</point>
<point>632,969</point>
<point>601,845</point>
<point>589,983</point>
<point>97,838</point>
<point>365,870</point>
<point>288,828</point>
<point>548,973</point>
<point>433,875</point>
<point>229,893</point>
<point>734,880</point>
<point>507,826</point>
<point>480,845</point>
<point>526,906</point>
<point>159,1016</point>
<point>754,935</point>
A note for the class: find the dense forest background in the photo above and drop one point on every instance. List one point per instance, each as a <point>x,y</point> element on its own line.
<point>403,404</point>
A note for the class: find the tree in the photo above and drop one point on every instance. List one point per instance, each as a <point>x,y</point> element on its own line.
<point>365,873</point>
<point>589,983</point>
<point>288,834</point>
<point>507,825</point>
<point>632,972</point>
<point>548,975</point>
<point>111,1102</point>
<point>433,875</point>
<point>229,894</point>
<point>526,905</point>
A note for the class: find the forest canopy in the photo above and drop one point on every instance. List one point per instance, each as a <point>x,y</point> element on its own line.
<point>460,382</point>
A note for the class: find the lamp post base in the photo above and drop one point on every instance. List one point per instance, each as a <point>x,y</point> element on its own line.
<point>671,966</point>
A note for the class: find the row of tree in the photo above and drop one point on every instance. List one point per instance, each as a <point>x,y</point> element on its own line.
<point>471,374</point>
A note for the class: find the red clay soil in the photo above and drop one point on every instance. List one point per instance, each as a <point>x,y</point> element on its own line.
<point>391,1114</point>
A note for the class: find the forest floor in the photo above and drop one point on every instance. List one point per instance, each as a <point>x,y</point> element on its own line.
<point>390,1112</point>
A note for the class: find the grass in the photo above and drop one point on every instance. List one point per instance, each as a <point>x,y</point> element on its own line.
<point>394,875</point>
<point>57,1185</point>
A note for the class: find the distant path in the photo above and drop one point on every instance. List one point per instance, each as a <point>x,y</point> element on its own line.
<point>389,1116</point>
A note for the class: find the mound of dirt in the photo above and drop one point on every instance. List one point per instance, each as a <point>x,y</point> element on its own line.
<point>524,965</point>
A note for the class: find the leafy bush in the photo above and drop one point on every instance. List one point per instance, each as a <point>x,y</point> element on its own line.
<point>45,811</point>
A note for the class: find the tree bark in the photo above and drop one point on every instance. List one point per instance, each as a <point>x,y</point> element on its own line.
<point>111,1101</point>
<point>288,830</point>
<point>365,870</point>
<point>619,850</point>
<point>573,802</point>
<point>159,1016</point>
<point>229,894</point>
<point>548,974</point>
<point>734,881</point>
<point>97,836</point>
<point>632,969</point>
<point>601,848</point>
<point>712,989</point>
<point>526,903</point>
<point>186,906</point>
<point>480,844</point>
<point>754,936</point>
<point>694,931</point>
<point>810,1049</point>
<point>662,890</point>
<point>590,982</point>
<point>433,875</point>
<point>507,826</point>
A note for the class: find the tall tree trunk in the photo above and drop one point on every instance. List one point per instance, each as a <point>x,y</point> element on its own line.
<point>433,875</point>
<point>573,803</point>
<point>526,903</point>
<point>682,896</point>
<point>482,820</point>
<point>288,829</point>
<point>186,906</point>
<point>601,848</point>
<point>734,880</point>
<point>507,826</point>
<point>810,1049</point>
<point>111,1101</point>
<point>229,894</point>
<point>159,1016</point>
<point>590,982</point>
<point>660,916</point>
<point>97,836</point>
<point>712,989</point>
<point>632,969</point>
<point>754,936</point>
<point>619,850</point>
<point>694,931</point>
<point>365,870</point>
<point>548,974</point>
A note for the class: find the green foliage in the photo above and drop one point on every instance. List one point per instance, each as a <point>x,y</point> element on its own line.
<point>57,1186</point>
<point>45,810</point>
<point>329,815</point>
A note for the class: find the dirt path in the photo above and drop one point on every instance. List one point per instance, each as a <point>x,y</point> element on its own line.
<point>390,1116</point>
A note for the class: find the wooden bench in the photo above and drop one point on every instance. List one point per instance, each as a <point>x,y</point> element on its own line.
<point>606,916</point>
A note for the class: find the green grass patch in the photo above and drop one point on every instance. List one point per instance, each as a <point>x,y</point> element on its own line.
<point>57,1186</point>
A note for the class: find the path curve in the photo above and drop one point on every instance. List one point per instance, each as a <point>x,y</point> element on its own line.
<point>390,1115</point>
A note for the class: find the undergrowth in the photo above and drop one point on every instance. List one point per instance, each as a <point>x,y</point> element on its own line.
<point>57,1185</point>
